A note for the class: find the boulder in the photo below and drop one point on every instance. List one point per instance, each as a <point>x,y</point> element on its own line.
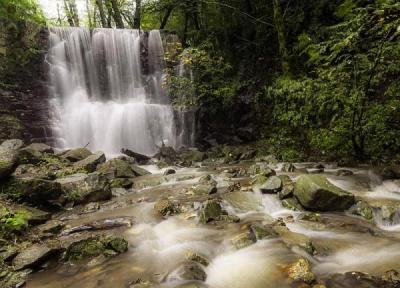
<point>261,232</point>
<point>139,171</point>
<point>191,271</point>
<point>32,190</point>
<point>258,180</point>
<point>75,155</point>
<point>164,207</point>
<point>9,157</point>
<point>243,240</point>
<point>166,154</point>
<point>194,257</point>
<point>363,210</point>
<point>90,163</point>
<point>83,188</point>
<point>95,246</point>
<point>300,271</point>
<point>244,201</point>
<point>261,169</point>
<point>193,155</point>
<point>121,183</point>
<point>140,158</point>
<point>33,153</point>
<point>33,256</point>
<point>315,192</point>
<point>272,186</point>
<point>169,171</point>
<point>288,187</point>
<point>116,168</point>
<point>212,210</point>
<point>292,203</point>
<point>293,239</point>
<point>344,172</point>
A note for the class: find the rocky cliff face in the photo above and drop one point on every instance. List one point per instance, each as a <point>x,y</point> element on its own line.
<point>24,109</point>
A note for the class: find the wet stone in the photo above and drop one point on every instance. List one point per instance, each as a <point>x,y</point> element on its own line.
<point>33,256</point>
<point>272,186</point>
<point>300,271</point>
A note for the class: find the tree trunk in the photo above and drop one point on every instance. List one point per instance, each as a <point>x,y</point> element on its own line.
<point>165,18</point>
<point>110,13</point>
<point>117,14</point>
<point>137,16</point>
<point>280,29</point>
<point>88,14</point>
<point>100,6</point>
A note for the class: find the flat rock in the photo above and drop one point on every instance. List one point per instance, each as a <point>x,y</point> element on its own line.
<point>33,256</point>
<point>315,192</point>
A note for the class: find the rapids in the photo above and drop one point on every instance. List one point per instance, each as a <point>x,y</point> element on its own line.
<point>158,246</point>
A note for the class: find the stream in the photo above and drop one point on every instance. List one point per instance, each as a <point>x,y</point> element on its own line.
<point>159,245</point>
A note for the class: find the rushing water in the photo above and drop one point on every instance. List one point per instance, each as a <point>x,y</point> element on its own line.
<point>158,246</point>
<point>108,94</point>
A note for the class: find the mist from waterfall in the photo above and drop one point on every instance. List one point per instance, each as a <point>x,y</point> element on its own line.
<point>108,94</point>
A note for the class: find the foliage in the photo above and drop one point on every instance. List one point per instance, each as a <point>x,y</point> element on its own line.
<point>12,223</point>
<point>350,105</point>
<point>201,79</point>
<point>21,10</point>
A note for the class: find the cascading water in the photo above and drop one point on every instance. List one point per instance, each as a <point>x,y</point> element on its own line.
<point>107,88</point>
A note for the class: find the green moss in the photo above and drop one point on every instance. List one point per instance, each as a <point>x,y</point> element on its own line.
<point>96,246</point>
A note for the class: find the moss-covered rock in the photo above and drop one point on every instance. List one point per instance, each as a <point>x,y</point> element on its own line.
<point>288,187</point>
<point>9,157</point>
<point>363,210</point>
<point>95,246</point>
<point>11,279</point>
<point>11,127</point>
<point>315,192</point>
<point>273,185</point>
<point>261,169</point>
<point>165,207</point>
<point>212,210</point>
<point>292,204</point>
<point>121,183</point>
<point>31,190</point>
<point>243,240</point>
<point>83,188</point>
<point>90,163</point>
<point>33,153</point>
<point>116,168</point>
<point>75,155</point>
<point>300,271</point>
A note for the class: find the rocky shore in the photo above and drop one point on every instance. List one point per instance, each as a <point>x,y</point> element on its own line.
<point>72,210</point>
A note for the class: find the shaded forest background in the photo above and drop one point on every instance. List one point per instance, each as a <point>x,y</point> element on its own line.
<point>317,79</point>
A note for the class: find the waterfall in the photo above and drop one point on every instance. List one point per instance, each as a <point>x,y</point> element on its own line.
<point>107,91</point>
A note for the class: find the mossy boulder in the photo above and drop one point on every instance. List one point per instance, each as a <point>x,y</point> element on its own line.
<point>32,190</point>
<point>116,168</point>
<point>292,204</point>
<point>165,207</point>
<point>316,193</point>
<point>95,246</point>
<point>212,210</point>
<point>33,153</point>
<point>273,185</point>
<point>363,210</point>
<point>287,187</point>
<point>9,157</point>
<point>300,271</point>
<point>90,163</point>
<point>75,155</point>
<point>83,188</point>
<point>243,240</point>
<point>261,169</point>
